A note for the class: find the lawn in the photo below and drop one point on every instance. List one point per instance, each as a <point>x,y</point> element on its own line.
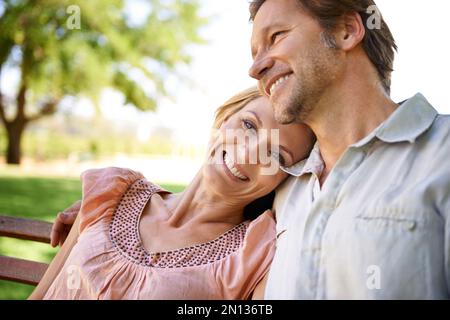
<point>38,198</point>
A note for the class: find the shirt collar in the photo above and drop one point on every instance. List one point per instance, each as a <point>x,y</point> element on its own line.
<point>313,164</point>
<point>411,119</point>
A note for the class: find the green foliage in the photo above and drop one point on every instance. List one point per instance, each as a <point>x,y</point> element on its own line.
<point>57,61</point>
<point>50,146</point>
<point>38,198</point>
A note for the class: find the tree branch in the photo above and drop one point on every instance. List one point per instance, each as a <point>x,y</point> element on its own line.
<point>24,70</point>
<point>47,109</point>
<point>21,102</point>
<point>2,109</point>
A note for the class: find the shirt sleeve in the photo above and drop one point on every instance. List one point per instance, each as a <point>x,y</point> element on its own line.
<point>102,190</point>
<point>238,276</point>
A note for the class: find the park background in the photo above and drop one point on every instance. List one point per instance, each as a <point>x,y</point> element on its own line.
<point>130,123</point>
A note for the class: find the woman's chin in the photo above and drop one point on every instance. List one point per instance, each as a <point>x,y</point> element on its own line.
<point>216,179</point>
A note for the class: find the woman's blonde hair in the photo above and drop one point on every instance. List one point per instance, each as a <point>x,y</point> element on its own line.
<point>234,104</point>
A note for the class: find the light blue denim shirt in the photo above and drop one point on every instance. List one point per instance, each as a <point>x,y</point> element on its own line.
<point>380,226</point>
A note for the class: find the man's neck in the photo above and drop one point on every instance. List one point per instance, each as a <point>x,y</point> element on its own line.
<point>349,111</point>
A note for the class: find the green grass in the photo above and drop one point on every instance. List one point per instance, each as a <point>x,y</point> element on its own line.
<point>39,198</point>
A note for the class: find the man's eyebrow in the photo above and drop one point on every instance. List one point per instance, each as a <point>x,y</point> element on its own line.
<point>263,34</point>
<point>276,25</point>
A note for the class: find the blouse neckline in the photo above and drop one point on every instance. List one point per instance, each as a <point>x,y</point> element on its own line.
<point>124,233</point>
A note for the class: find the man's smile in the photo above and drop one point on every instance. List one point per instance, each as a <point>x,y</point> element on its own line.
<point>273,83</point>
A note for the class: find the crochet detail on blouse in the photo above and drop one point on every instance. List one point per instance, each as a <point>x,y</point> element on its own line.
<point>124,234</point>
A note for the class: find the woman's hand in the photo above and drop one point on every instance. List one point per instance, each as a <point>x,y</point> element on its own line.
<point>63,223</point>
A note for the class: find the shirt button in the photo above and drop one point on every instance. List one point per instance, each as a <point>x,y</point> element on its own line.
<point>411,225</point>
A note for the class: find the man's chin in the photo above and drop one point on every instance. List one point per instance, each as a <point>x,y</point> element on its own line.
<point>283,116</point>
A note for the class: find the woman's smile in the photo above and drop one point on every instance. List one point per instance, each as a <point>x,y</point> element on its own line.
<point>231,169</point>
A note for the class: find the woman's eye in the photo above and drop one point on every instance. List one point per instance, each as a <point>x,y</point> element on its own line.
<point>278,157</point>
<point>248,125</point>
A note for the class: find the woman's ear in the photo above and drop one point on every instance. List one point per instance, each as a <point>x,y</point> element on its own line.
<point>350,32</point>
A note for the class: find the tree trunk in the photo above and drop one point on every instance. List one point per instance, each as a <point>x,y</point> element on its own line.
<point>14,131</point>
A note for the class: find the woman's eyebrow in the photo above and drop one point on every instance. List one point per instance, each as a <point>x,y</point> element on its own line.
<point>287,151</point>
<point>257,118</point>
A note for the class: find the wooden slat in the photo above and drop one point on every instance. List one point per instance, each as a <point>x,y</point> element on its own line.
<point>23,271</point>
<point>27,229</point>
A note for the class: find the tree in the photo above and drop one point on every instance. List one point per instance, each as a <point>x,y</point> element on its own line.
<point>77,47</point>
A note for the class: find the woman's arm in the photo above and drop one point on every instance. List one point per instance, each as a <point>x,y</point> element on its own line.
<point>63,222</point>
<point>57,263</point>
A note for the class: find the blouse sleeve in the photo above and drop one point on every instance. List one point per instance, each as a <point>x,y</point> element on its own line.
<point>102,190</point>
<point>238,276</point>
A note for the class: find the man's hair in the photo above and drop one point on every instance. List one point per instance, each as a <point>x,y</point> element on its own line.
<point>378,43</point>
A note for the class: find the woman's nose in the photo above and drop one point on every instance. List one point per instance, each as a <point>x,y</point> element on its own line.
<point>254,150</point>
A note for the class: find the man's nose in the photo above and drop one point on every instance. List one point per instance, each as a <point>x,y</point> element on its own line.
<point>260,67</point>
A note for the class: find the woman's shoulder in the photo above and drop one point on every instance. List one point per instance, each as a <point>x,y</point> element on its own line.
<point>265,222</point>
<point>116,180</point>
<point>110,174</point>
<point>102,190</point>
<point>251,262</point>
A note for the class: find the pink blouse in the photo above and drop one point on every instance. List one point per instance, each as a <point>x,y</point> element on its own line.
<point>110,262</point>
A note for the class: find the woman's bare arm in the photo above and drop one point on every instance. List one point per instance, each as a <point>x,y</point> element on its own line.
<point>57,263</point>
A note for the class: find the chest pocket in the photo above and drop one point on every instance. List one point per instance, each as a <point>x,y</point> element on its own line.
<point>381,219</point>
<point>405,245</point>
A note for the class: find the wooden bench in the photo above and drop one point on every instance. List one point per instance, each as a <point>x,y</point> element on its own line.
<point>19,270</point>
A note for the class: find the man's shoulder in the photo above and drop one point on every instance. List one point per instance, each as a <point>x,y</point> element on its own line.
<point>442,121</point>
<point>439,132</point>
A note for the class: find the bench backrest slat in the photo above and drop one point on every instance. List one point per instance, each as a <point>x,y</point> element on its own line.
<point>19,270</point>
<point>27,229</point>
<point>23,271</point>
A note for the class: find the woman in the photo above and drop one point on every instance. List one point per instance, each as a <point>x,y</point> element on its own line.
<point>134,240</point>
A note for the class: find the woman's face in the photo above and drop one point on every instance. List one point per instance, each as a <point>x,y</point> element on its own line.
<point>247,151</point>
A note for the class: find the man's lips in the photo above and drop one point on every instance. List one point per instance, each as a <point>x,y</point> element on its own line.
<point>275,82</point>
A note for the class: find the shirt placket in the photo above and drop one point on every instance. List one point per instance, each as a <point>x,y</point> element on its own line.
<point>322,208</point>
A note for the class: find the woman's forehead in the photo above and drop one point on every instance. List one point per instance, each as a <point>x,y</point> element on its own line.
<point>262,108</point>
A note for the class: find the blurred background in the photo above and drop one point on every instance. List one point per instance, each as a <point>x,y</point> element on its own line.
<point>135,83</point>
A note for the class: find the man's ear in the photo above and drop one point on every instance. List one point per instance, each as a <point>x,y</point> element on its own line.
<point>351,31</point>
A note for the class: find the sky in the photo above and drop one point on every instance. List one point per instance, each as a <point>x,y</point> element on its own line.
<point>220,68</point>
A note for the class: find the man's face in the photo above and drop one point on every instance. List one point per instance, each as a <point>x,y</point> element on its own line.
<point>292,63</point>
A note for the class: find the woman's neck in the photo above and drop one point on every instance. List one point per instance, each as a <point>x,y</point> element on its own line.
<point>198,204</point>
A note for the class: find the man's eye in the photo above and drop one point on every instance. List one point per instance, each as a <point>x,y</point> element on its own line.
<point>275,35</point>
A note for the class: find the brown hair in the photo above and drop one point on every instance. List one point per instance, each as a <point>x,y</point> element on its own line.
<point>234,104</point>
<point>378,43</point>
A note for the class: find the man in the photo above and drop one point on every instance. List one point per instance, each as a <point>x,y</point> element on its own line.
<point>366,216</point>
